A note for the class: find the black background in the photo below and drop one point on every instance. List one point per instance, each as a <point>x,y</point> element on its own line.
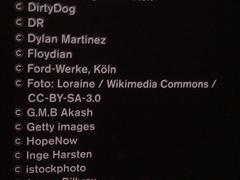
<point>145,134</point>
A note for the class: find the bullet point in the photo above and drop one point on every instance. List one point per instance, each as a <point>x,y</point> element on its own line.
<point>19,37</point>
<point>18,141</point>
<point>17,155</point>
<point>18,68</point>
<point>18,127</point>
<point>19,53</point>
<point>19,22</point>
<point>18,83</point>
<point>18,112</point>
<point>17,170</point>
<point>19,6</point>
